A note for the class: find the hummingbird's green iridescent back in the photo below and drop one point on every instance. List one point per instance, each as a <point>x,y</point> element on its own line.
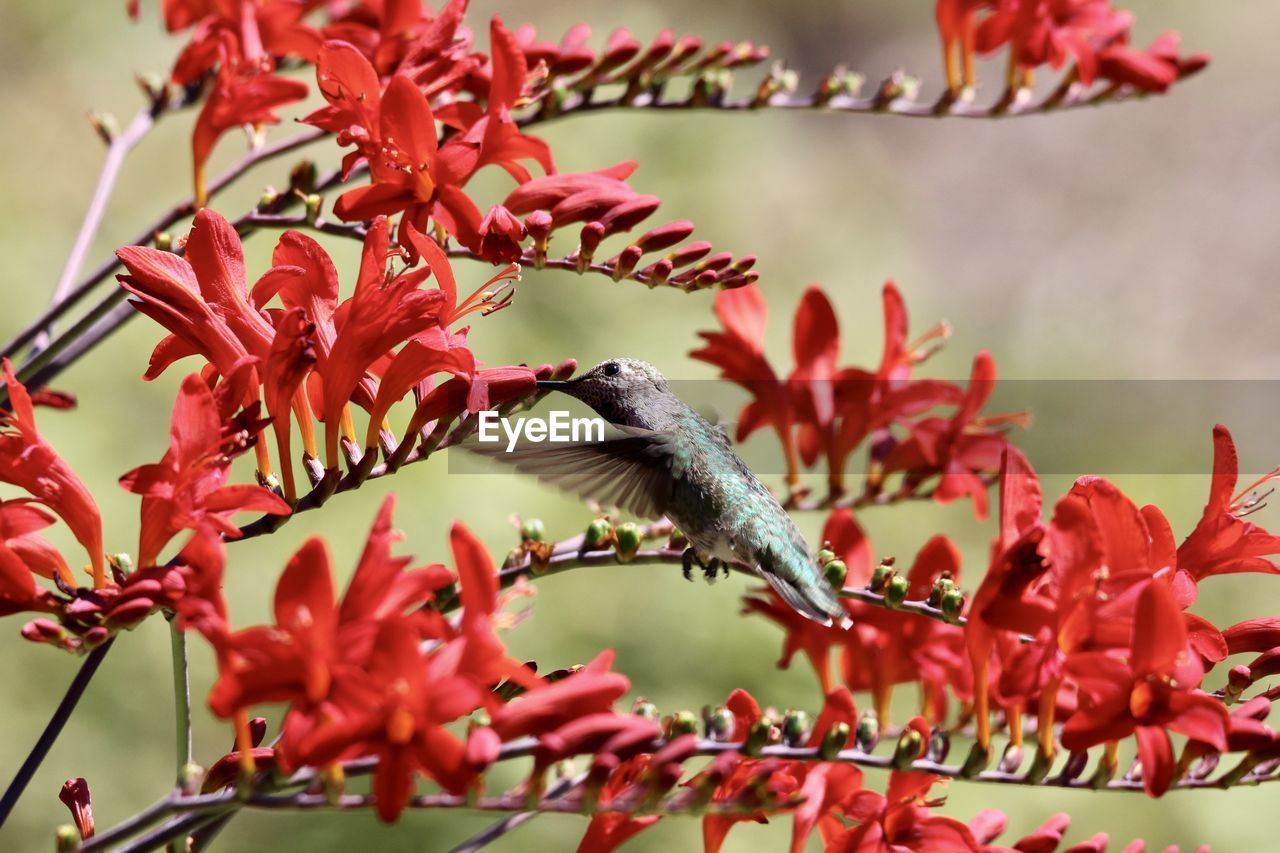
<point>669,460</point>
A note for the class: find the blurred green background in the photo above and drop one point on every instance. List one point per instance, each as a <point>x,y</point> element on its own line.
<point>1133,241</point>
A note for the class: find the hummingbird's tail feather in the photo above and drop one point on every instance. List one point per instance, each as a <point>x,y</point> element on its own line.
<point>815,599</point>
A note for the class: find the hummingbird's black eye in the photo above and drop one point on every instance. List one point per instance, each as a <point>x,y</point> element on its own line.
<point>612,369</point>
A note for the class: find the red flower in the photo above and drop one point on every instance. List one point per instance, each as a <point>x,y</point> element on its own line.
<point>900,820</point>
<point>1092,32</point>
<point>30,463</point>
<point>243,94</point>
<point>739,353</point>
<point>1223,542</point>
<point>19,521</point>
<point>187,489</point>
<point>609,830</point>
<point>381,314</point>
<point>1150,690</point>
<point>395,132</point>
<point>957,449</point>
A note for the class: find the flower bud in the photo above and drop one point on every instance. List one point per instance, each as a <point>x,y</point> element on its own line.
<point>825,555</point>
<point>868,734</point>
<point>976,761</point>
<point>757,737</point>
<point>795,725</point>
<point>538,226</point>
<point>106,126</point>
<point>833,741</point>
<point>719,724</point>
<point>908,748</point>
<point>625,262</point>
<point>302,178</point>
<point>939,745</point>
<point>67,839</point>
<point>311,204</point>
<point>880,576</point>
<point>953,605</point>
<point>941,587</point>
<point>677,541</point>
<point>644,708</point>
<point>629,536</point>
<point>164,241</point>
<point>896,592</point>
<point>597,535</point>
<point>269,199</point>
<point>836,572</point>
<point>681,723</point>
<point>532,530</point>
<point>1076,762</point>
<point>1012,759</point>
<point>75,796</point>
<point>190,777</point>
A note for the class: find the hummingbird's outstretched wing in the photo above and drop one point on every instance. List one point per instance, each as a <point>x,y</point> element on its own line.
<point>632,471</point>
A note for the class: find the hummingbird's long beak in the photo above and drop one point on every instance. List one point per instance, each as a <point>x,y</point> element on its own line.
<point>554,384</point>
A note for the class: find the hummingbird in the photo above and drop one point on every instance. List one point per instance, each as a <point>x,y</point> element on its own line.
<point>667,459</point>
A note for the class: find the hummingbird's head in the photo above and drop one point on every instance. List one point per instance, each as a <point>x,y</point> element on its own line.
<point>622,390</point>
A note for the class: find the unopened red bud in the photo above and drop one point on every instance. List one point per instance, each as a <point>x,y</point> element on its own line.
<point>75,796</point>
<point>689,253</point>
<point>625,262</point>
<point>588,241</point>
<point>1239,678</point>
<point>657,273</point>
<point>627,215</point>
<point>130,612</point>
<point>744,264</point>
<point>620,49</point>
<point>96,636</point>
<point>665,236</point>
<point>629,537</point>
<point>44,631</point>
<point>483,748</point>
<point>538,225</point>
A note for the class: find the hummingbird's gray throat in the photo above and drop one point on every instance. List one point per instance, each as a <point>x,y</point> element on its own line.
<point>669,460</point>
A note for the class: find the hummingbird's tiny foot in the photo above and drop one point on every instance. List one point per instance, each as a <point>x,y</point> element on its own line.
<point>711,569</point>
<point>687,559</point>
